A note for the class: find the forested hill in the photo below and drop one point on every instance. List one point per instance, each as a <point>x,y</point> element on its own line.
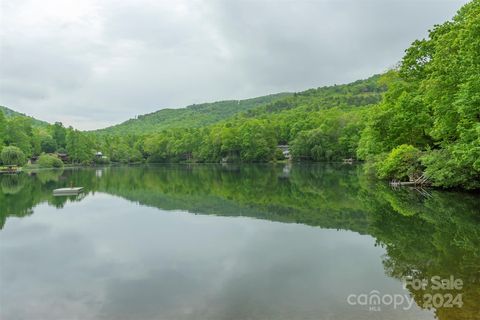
<point>358,93</point>
<point>417,122</point>
<point>355,94</point>
<point>192,116</point>
<point>9,113</point>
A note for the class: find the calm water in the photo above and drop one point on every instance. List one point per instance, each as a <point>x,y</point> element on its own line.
<point>231,242</point>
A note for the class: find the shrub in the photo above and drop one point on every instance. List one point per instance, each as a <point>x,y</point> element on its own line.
<point>13,156</point>
<point>453,167</point>
<point>402,163</point>
<point>279,154</point>
<point>49,161</point>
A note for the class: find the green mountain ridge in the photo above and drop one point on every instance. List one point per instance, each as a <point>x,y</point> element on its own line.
<point>357,93</point>
<point>9,113</point>
<point>192,116</point>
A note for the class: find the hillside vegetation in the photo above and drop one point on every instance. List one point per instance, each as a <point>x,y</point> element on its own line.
<point>429,120</point>
<point>193,116</point>
<point>9,113</point>
<point>421,119</point>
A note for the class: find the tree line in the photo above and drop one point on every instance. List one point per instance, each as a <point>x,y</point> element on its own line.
<point>419,119</point>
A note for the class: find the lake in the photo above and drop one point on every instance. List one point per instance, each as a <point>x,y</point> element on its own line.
<point>317,241</point>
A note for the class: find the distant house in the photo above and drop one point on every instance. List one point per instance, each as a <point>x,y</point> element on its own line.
<point>100,155</point>
<point>63,156</point>
<point>33,160</point>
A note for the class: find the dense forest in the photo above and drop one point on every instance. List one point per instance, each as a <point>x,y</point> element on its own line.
<point>420,119</point>
<point>332,115</point>
<point>193,116</point>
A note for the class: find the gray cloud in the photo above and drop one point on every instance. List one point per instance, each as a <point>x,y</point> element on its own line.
<point>94,63</point>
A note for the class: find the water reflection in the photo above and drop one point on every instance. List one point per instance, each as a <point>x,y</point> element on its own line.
<point>423,236</point>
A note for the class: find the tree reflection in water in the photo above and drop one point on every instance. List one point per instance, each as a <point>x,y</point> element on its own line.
<point>424,236</point>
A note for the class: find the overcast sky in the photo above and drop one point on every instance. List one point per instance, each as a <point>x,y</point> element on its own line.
<point>91,64</point>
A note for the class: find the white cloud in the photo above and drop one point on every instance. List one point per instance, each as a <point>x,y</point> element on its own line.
<point>94,63</point>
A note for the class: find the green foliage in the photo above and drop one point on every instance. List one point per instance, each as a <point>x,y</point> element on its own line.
<point>279,154</point>
<point>401,118</point>
<point>247,130</point>
<point>335,138</point>
<point>446,167</point>
<point>428,109</point>
<point>48,144</point>
<point>9,113</point>
<point>257,142</point>
<point>101,160</point>
<point>12,184</point>
<point>13,156</point>
<point>59,134</point>
<point>49,161</point>
<point>3,129</point>
<point>193,116</point>
<point>19,133</point>
<point>402,163</point>
<point>438,235</point>
<point>228,131</point>
<point>253,135</point>
<point>433,103</point>
<point>79,147</point>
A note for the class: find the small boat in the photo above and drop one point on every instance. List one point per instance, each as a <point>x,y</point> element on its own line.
<point>67,191</point>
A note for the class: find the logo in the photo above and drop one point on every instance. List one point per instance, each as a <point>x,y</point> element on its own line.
<point>374,300</point>
<point>442,293</point>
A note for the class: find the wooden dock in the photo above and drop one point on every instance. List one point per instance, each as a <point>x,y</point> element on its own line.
<point>422,181</point>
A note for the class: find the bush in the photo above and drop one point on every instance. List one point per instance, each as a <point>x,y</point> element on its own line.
<point>453,167</point>
<point>402,163</point>
<point>279,154</point>
<point>49,161</point>
<point>13,156</point>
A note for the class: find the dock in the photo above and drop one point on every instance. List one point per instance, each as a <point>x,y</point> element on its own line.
<point>67,191</point>
<point>421,181</point>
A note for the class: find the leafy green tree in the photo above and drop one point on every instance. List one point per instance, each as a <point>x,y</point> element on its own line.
<point>79,147</point>
<point>13,156</point>
<point>402,163</point>
<point>401,118</point>
<point>258,143</point>
<point>335,138</point>
<point>48,144</point>
<point>59,134</point>
<point>433,103</point>
<point>19,133</point>
<point>3,129</point>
